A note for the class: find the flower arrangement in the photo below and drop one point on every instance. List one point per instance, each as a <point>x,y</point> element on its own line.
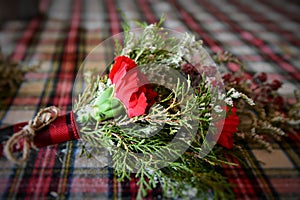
<point>165,113</point>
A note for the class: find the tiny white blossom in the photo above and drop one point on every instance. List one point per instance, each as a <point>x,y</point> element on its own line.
<point>221,95</point>
<point>218,109</point>
<point>235,94</point>
<point>207,115</point>
<point>232,93</point>
<point>130,44</point>
<point>190,192</point>
<point>101,87</point>
<point>108,82</point>
<point>229,101</point>
<point>202,105</point>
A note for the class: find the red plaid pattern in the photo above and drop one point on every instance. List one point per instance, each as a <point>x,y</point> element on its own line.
<point>264,34</point>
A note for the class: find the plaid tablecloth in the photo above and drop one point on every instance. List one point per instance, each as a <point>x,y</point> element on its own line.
<point>263,33</point>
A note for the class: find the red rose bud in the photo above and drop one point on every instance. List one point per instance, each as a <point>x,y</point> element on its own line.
<point>131,86</point>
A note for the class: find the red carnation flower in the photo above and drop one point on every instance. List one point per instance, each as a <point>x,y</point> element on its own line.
<point>230,126</point>
<point>131,86</point>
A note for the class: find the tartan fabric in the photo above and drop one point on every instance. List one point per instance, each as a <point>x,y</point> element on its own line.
<point>263,33</point>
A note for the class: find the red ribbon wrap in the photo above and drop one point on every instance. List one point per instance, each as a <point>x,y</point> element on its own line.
<point>62,129</point>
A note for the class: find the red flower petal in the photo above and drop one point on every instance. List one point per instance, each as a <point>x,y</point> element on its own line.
<point>131,86</point>
<point>127,86</point>
<point>121,66</point>
<point>137,105</point>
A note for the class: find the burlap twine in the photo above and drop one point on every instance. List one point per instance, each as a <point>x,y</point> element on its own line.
<point>43,118</point>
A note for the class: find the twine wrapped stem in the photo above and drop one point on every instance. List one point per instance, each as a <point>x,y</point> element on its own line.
<point>43,118</point>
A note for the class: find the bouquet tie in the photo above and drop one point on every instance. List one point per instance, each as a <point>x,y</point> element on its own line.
<point>28,132</point>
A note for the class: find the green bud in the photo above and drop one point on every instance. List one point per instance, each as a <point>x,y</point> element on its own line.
<point>106,95</point>
<point>116,109</point>
<point>106,106</point>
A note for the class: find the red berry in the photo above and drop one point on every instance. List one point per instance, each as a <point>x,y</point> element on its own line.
<point>226,77</point>
<point>278,100</point>
<point>237,80</point>
<point>275,84</point>
<point>262,77</point>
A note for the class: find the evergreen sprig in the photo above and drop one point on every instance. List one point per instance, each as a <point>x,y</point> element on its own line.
<point>123,142</point>
<point>176,126</point>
